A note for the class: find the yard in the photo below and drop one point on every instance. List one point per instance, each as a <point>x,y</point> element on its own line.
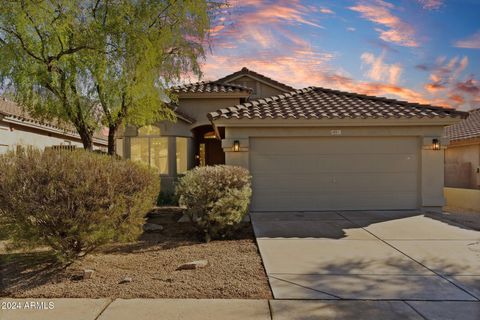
<point>235,268</point>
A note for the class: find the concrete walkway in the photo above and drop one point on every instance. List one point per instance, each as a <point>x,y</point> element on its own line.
<point>166,309</point>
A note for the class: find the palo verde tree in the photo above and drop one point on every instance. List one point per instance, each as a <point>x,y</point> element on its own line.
<point>100,62</point>
<point>41,43</point>
<point>146,45</point>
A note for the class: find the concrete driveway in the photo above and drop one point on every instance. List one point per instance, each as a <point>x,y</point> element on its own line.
<point>369,255</point>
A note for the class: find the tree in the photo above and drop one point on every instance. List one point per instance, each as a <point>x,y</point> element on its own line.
<point>41,44</point>
<point>146,46</point>
<point>99,62</point>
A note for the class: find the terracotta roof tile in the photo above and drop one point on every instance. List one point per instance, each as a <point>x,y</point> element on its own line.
<point>210,87</point>
<point>466,129</point>
<point>13,110</point>
<point>320,103</point>
<point>246,71</point>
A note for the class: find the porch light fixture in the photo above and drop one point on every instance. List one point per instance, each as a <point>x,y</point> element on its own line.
<point>236,145</point>
<point>435,144</point>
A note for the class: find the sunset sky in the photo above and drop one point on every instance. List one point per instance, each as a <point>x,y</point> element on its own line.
<point>425,51</point>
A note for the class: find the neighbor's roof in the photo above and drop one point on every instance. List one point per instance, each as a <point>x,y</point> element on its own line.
<point>466,129</point>
<point>12,110</point>
<point>321,103</point>
<point>210,87</point>
<point>245,71</point>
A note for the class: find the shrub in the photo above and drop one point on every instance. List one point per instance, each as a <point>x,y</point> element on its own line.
<point>73,201</point>
<point>216,198</point>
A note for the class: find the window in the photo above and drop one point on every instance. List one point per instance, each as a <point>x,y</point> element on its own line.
<point>139,150</point>
<point>182,155</point>
<point>159,154</point>
<point>150,149</point>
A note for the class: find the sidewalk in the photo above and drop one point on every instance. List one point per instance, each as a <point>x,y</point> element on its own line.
<point>211,309</point>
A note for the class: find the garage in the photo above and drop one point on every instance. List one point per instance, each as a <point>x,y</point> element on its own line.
<point>334,173</point>
<point>317,149</point>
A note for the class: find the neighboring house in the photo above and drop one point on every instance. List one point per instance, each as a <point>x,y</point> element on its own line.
<point>462,157</point>
<point>18,128</point>
<point>307,150</point>
<point>462,164</point>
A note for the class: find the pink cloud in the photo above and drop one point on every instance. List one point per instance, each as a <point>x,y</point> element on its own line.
<point>379,70</point>
<point>379,12</point>
<point>326,11</point>
<point>472,42</point>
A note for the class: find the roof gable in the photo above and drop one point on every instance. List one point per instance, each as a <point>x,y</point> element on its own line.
<point>322,103</point>
<point>210,87</point>
<point>256,76</point>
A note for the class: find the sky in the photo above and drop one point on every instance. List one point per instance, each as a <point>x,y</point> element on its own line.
<point>425,51</point>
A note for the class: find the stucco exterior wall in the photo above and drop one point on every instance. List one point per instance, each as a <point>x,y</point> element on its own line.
<point>12,135</point>
<point>462,166</point>
<point>468,199</point>
<point>431,162</point>
<point>260,89</point>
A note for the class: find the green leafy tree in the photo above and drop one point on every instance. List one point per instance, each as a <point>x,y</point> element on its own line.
<point>41,43</point>
<point>147,46</point>
<point>98,62</point>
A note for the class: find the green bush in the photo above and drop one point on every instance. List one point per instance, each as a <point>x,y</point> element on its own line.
<point>73,201</point>
<point>216,198</point>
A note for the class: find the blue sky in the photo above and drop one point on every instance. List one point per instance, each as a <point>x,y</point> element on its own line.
<point>425,51</point>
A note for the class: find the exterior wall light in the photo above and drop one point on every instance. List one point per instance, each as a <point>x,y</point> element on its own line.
<point>236,145</point>
<point>435,144</point>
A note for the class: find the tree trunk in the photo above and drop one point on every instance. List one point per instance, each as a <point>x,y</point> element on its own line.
<point>87,138</point>
<point>112,146</point>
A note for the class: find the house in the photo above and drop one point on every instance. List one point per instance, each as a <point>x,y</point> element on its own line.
<point>307,150</point>
<point>18,128</point>
<point>462,157</point>
<point>462,163</point>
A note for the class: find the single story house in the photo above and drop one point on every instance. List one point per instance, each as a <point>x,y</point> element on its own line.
<point>462,163</point>
<point>18,128</point>
<point>311,149</point>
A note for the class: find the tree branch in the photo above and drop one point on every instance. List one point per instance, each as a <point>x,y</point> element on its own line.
<point>22,43</point>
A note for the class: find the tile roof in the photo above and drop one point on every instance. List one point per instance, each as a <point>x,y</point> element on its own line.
<point>321,103</point>
<point>13,110</point>
<point>246,71</point>
<point>210,87</point>
<point>466,129</point>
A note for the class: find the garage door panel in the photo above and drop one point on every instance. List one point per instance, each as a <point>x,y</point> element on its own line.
<point>335,163</point>
<point>339,182</point>
<point>362,201</point>
<point>339,145</point>
<point>334,173</point>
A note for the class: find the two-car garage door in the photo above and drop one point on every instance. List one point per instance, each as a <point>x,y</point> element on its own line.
<point>334,173</point>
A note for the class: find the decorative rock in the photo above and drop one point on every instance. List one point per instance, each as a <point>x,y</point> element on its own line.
<point>193,265</point>
<point>126,280</point>
<point>87,273</point>
<point>152,227</point>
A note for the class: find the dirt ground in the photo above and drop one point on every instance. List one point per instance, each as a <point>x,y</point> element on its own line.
<point>235,268</point>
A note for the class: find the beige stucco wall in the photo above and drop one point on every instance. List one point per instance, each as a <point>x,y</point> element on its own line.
<point>431,166</point>
<point>462,163</point>
<point>463,198</point>
<point>261,89</point>
<point>12,135</point>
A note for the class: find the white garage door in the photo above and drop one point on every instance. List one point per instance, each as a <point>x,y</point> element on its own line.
<point>334,173</point>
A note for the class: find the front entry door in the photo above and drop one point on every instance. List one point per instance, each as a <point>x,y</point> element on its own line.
<point>209,150</point>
